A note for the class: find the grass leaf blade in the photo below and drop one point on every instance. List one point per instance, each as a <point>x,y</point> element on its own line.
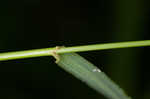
<point>91,75</point>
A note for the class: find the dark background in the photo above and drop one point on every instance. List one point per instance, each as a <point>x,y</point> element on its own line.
<point>33,24</point>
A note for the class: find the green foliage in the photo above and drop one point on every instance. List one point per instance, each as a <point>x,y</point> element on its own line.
<point>91,75</point>
<point>79,67</point>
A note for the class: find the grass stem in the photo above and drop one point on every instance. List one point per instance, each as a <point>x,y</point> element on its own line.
<point>49,51</point>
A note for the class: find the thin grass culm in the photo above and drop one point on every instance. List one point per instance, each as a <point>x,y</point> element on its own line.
<point>91,75</point>
<point>48,51</point>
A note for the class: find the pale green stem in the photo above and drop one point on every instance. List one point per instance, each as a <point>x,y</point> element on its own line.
<point>49,51</point>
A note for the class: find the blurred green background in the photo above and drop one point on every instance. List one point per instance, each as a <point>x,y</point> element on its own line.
<point>32,24</point>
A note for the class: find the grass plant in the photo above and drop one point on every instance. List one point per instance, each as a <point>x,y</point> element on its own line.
<point>80,67</point>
